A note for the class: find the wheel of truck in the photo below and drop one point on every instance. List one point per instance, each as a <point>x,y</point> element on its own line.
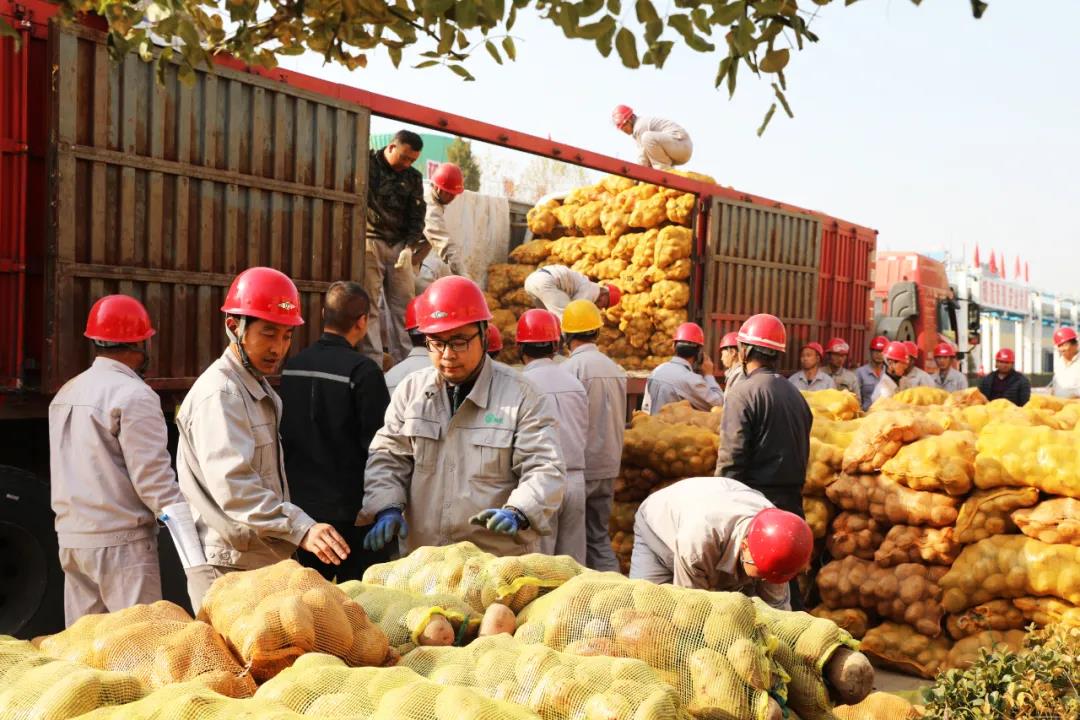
<point>895,328</point>
<point>31,581</point>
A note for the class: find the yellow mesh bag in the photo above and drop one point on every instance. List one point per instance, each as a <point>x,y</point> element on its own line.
<point>989,512</point>
<point>541,219</point>
<point>881,435</point>
<point>1047,611</point>
<point>853,620</point>
<point>634,483</point>
<point>994,615</point>
<point>194,701</point>
<point>939,463</point>
<point>672,244</point>
<point>1039,457</point>
<point>833,404</point>
<point>891,502</point>
<point>683,412</point>
<point>906,543</point>
<point>878,706</point>
<point>1010,566</point>
<point>967,651</point>
<point>505,277</point>
<point>855,534</point>
<point>709,646</point>
<point>819,513</point>
<point>671,450</point>
<point>900,647</point>
<point>404,616</point>
<point>476,577</point>
<point>836,432</point>
<point>968,397</point>
<point>271,616</point>
<point>823,466</point>
<point>533,252</point>
<point>1056,522</point>
<point>1046,402</point>
<point>159,644</point>
<point>912,397</point>
<point>34,685</point>
<point>909,593</point>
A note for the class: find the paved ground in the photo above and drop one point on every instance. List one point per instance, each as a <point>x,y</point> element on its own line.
<point>906,686</point>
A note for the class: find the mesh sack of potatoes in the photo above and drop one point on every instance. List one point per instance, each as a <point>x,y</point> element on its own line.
<point>1010,566</point>
<point>966,398</point>
<point>969,649</point>
<point>939,463</point>
<point>900,647</point>
<point>818,513</point>
<point>854,620</point>
<point>1048,611</point>
<point>1046,402</point>
<point>159,644</point>
<point>634,484</point>
<point>878,706</point>
<point>855,534</point>
<point>912,544</point>
<point>1055,521</point>
<point>890,502</point>
<point>555,685</point>
<point>998,615</point>
<point>622,516</point>
<point>34,685</point>
<point>194,701</point>
<point>541,219</point>
<point>673,243</point>
<point>989,512</point>
<point>411,619</point>
<point>880,436</point>
<point>672,450</point>
<point>709,646</point>
<point>1039,457</point>
<point>833,404</point>
<point>271,616</point>
<point>835,432</point>
<point>685,413</point>
<point>476,577</point>
<point>516,298</point>
<point>507,277</point>
<point>909,593</point>
<point>912,397</point>
<point>533,252</point>
<point>823,466</point>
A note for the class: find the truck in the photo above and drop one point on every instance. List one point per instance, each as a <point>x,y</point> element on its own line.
<point>113,182</point>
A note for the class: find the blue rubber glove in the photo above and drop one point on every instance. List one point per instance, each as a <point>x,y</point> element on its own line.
<point>388,522</point>
<point>499,520</point>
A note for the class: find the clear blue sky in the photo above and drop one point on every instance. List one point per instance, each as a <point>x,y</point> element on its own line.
<point>936,129</point>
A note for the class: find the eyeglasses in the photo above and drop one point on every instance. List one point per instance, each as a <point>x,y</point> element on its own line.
<point>458,345</point>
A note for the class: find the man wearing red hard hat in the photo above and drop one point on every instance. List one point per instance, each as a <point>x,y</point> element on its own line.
<point>948,377</point>
<point>811,377</point>
<point>109,465</point>
<point>662,144</point>
<point>447,183</point>
<point>1005,381</point>
<point>677,379</point>
<point>729,359</point>
<point>836,355</point>
<point>869,375</point>
<point>900,371</point>
<point>1066,382</point>
<point>553,287</point>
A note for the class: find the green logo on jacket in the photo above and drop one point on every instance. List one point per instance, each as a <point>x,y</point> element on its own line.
<point>493,419</point>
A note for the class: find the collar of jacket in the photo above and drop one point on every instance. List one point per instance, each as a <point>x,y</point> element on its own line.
<point>765,370</point>
<point>431,197</point>
<point>106,363</point>
<point>334,339</point>
<point>253,384</point>
<point>481,390</point>
<point>587,347</point>
<point>676,360</point>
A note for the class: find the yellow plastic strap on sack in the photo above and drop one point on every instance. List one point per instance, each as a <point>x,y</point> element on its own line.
<point>901,647</point>
<point>403,616</point>
<point>1011,566</point>
<point>997,615</point>
<point>939,463</point>
<point>1056,521</point>
<point>988,512</point>
<point>1038,457</point>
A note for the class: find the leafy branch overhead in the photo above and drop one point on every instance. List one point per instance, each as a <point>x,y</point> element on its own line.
<point>756,34</point>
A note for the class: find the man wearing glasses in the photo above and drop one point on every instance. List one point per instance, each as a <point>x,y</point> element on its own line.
<point>469,449</point>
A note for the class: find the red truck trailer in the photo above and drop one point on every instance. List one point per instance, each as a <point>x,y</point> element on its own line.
<point>110,182</point>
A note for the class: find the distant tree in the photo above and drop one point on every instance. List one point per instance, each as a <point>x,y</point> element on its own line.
<point>460,153</point>
<point>542,176</point>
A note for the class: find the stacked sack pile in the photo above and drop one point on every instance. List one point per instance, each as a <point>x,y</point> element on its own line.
<point>621,232</point>
<point>950,523</point>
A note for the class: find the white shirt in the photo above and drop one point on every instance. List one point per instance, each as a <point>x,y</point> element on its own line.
<point>1066,382</point>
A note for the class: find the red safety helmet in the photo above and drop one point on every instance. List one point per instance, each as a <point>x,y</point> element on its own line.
<point>838,346</point>
<point>691,333</point>
<point>878,343</point>
<point>912,348</point>
<point>764,330</point>
<point>494,339</point>
<point>118,319</point>
<point>411,313</point>
<point>621,114</point>
<point>897,351</point>
<point>780,544</point>
<point>266,294</point>
<point>614,295</point>
<point>944,349</point>
<point>449,303</point>
<point>816,347</point>
<point>447,177</point>
<point>1005,355</point>
<point>538,326</point>
<point>730,340</point>
<point>1063,335</point>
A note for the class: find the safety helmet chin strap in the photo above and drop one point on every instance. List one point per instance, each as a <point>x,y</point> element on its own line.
<point>237,338</point>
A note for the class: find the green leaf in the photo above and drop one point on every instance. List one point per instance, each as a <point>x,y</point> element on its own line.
<point>590,7</point>
<point>466,13</point>
<point>461,72</point>
<point>508,47</point>
<point>658,54</point>
<point>783,100</point>
<point>729,13</point>
<point>614,7</point>
<point>646,13</point>
<point>604,41</point>
<point>395,54</point>
<point>597,30</point>
<point>768,7</point>
<point>701,20</point>
<point>683,25</point>
<point>626,44</point>
<point>775,60</point>
<point>511,18</point>
<point>768,117</point>
<point>446,38</point>
<point>493,51</point>
<point>744,36</point>
<point>426,64</point>
<point>978,8</point>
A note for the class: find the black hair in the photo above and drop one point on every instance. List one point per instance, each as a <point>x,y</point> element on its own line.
<point>687,350</point>
<point>417,338</point>
<point>408,137</point>
<point>538,350</point>
<point>346,302</point>
<point>766,356</point>
<point>587,337</point>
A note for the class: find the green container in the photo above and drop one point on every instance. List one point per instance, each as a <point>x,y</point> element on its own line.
<point>433,154</point>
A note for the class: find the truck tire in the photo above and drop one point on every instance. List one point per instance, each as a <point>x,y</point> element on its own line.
<point>895,328</point>
<point>31,581</point>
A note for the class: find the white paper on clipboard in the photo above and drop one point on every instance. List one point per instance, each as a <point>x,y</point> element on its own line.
<point>181,525</point>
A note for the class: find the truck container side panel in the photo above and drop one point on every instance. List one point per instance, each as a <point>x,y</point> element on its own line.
<point>846,265</point>
<point>166,192</point>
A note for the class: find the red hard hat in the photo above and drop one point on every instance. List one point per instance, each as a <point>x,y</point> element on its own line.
<point>780,544</point>
<point>447,177</point>
<point>614,295</point>
<point>897,351</point>
<point>118,319</point>
<point>944,350</point>
<point>691,333</point>
<point>912,348</point>
<point>1063,335</point>
<point>266,294</point>
<point>730,340</point>
<point>538,326</point>
<point>449,303</point>
<point>1005,355</point>
<point>494,339</point>
<point>621,114</point>
<point>411,313</point>
<point>879,343</point>
<point>764,330</point>
<point>816,347</point>
<point>838,346</point>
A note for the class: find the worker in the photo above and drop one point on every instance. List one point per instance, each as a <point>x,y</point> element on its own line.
<point>1005,382</point>
<point>553,287</point>
<point>836,355</point>
<point>229,458</point>
<point>948,377</point>
<point>538,337</point>
<point>469,450</point>
<point>729,358</point>
<point>494,341</point>
<point>605,384</point>
<point>1066,382</point>
<point>714,533</point>
<point>662,144</point>
<point>111,475</point>
<point>447,183</point>
<point>333,401</point>
<point>870,374</point>
<point>913,352</point>
<point>417,359</point>
<point>900,372</point>
<point>395,222</point>
<point>812,377</point>
<point>677,379</point>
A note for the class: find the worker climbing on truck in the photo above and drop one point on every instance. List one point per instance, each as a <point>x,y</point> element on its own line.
<point>836,355</point>
<point>947,377</point>
<point>870,374</point>
<point>900,372</point>
<point>679,379</point>
<point>447,183</point>
<point>1066,382</point>
<point>553,287</point>
<point>812,376</point>
<point>662,144</point>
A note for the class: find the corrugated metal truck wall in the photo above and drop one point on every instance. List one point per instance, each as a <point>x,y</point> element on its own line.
<point>847,260</point>
<point>761,259</point>
<point>166,192</point>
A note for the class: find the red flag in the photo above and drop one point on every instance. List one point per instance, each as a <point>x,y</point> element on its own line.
<point>993,264</point>
<point>1002,273</point>
<point>1016,271</point>
<point>1026,279</point>
<point>977,263</point>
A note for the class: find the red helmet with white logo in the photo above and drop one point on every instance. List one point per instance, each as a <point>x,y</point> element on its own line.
<point>1005,355</point>
<point>780,544</point>
<point>411,314</point>
<point>944,349</point>
<point>449,303</point>
<point>447,177</point>
<point>878,343</point>
<point>1063,335</point>
<point>816,347</point>
<point>118,319</point>
<point>730,340</point>
<point>538,326</point>
<point>897,351</point>
<point>621,114</point>
<point>691,333</point>
<point>764,330</point>
<point>838,346</point>
<point>912,348</point>
<point>266,294</point>
<point>494,339</point>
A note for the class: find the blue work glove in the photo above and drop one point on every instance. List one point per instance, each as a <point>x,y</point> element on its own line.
<point>507,521</point>
<point>388,522</point>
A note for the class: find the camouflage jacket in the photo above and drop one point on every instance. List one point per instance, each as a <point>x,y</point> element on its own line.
<point>395,205</point>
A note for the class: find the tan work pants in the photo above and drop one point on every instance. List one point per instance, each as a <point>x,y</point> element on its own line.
<point>396,286</point>
<point>99,580</point>
<point>568,526</point>
<point>599,494</point>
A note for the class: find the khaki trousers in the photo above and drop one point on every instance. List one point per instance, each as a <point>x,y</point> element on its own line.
<point>568,536</point>
<point>99,580</point>
<point>599,495</point>
<point>396,287</point>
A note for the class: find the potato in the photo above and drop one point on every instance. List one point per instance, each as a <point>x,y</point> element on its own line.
<point>850,676</point>
<point>498,619</point>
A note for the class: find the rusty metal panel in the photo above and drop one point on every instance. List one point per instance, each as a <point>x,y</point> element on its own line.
<point>761,259</point>
<point>167,191</point>
<point>844,299</point>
